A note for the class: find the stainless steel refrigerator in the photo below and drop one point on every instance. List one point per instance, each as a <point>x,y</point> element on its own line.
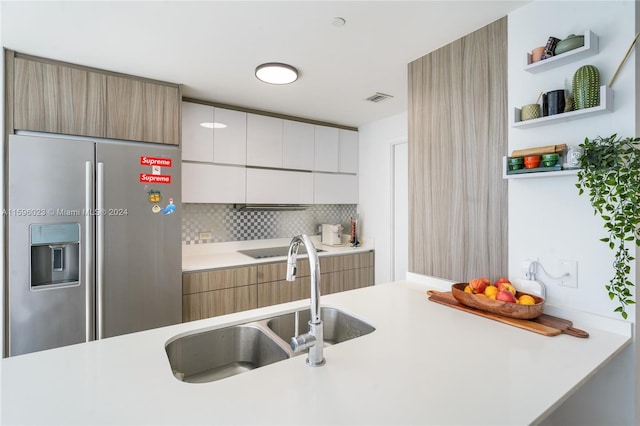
<point>93,240</point>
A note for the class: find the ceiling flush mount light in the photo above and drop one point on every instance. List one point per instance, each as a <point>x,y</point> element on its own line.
<point>276,73</point>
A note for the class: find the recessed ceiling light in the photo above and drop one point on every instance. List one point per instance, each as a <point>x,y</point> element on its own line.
<point>276,73</point>
<point>213,125</point>
<point>338,21</point>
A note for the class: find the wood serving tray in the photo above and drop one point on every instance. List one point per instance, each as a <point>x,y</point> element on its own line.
<point>546,325</point>
<point>506,309</point>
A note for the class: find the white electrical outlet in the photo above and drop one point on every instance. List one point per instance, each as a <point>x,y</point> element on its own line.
<point>568,267</point>
<point>205,235</point>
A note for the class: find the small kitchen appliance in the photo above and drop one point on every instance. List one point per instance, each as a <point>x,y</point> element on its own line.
<point>332,235</point>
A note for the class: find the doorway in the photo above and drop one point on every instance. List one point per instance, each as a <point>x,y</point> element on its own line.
<point>399,210</point>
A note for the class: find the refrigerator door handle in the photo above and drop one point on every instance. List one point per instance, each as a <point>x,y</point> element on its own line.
<point>100,249</point>
<point>88,250</point>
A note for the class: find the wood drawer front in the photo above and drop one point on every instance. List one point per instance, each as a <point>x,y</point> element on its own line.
<point>346,262</point>
<point>196,282</point>
<point>275,292</point>
<point>220,302</point>
<point>278,271</point>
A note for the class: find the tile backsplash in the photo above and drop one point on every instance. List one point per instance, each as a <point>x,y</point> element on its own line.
<point>226,223</point>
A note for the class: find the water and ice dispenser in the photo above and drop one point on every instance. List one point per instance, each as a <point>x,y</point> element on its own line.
<point>55,255</point>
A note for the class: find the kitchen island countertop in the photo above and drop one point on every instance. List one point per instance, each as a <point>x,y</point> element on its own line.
<point>424,364</point>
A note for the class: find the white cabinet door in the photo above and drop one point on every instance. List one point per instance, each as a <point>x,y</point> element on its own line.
<point>230,141</point>
<point>329,188</point>
<point>197,141</point>
<point>211,183</point>
<point>326,149</point>
<point>279,187</point>
<point>348,151</point>
<point>264,141</point>
<point>297,145</point>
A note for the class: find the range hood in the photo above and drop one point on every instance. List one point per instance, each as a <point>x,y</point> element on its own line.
<point>272,207</point>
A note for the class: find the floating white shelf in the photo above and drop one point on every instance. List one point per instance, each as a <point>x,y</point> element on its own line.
<point>590,48</point>
<point>532,175</point>
<point>606,105</point>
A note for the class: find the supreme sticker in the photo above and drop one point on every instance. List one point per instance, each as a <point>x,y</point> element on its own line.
<point>155,161</point>
<point>151,178</point>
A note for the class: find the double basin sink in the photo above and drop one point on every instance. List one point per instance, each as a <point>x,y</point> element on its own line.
<point>216,354</point>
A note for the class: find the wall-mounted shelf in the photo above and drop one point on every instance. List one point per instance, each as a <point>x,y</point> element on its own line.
<point>590,48</point>
<point>533,174</point>
<point>606,105</point>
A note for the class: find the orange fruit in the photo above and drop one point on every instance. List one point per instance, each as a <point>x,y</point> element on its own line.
<point>525,299</point>
<point>491,291</point>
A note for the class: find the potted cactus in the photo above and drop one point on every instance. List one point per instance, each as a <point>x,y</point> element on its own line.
<point>610,176</point>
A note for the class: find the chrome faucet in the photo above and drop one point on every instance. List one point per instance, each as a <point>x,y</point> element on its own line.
<point>314,339</point>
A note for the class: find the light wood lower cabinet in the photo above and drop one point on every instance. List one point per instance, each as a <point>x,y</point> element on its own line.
<point>224,291</point>
<point>218,292</point>
<point>337,273</point>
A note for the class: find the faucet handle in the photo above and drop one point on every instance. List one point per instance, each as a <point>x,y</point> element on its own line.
<point>292,270</point>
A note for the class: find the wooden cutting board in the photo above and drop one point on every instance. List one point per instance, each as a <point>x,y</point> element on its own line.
<point>563,325</point>
<point>547,326</point>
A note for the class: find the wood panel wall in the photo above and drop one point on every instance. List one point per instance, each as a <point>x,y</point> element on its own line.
<point>457,136</point>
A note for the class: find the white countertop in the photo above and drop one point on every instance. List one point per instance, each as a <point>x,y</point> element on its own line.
<point>198,257</point>
<point>424,364</point>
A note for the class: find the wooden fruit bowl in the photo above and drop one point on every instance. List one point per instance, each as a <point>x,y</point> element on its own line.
<point>507,309</point>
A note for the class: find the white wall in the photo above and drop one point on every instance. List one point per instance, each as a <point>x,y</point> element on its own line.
<point>376,142</point>
<point>547,218</point>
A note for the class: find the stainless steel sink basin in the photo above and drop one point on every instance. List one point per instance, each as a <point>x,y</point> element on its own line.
<point>217,354</point>
<point>338,326</point>
<point>267,252</point>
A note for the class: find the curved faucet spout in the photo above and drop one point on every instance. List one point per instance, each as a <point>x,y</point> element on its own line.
<point>314,338</point>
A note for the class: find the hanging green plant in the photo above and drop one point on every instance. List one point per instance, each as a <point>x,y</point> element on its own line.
<point>611,176</point>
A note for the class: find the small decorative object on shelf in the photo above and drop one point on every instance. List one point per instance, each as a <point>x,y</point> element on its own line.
<point>571,42</point>
<point>550,47</point>
<point>586,87</point>
<point>354,232</point>
<point>611,178</point>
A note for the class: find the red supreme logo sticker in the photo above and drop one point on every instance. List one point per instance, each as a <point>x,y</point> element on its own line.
<point>147,178</point>
<point>155,161</point>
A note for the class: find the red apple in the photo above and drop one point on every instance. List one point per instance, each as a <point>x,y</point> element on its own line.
<point>506,296</point>
<point>506,286</point>
<point>502,280</point>
<point>479,284</point>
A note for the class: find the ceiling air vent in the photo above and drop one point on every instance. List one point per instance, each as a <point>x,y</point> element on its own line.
<point>378,97</point>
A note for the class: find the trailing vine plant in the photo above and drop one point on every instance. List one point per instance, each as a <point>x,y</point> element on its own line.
<point>611,176</point>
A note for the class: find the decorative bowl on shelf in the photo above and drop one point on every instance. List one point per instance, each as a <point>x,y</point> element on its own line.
<point>515,163</point>
<point>507,309</point>
<point>531,161</point>
<point>571,42</point>
<point>550,160</point>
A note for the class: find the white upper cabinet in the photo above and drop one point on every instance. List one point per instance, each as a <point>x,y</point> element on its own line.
<point>326,149</point>
<point>348,159</point>
<point>335,188</point>
<point>212,183</point>
<point>197,141</point>
<point>230,137</point>
<point>264,141</point>
<point>265,186</point>
<point>297,145</point>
